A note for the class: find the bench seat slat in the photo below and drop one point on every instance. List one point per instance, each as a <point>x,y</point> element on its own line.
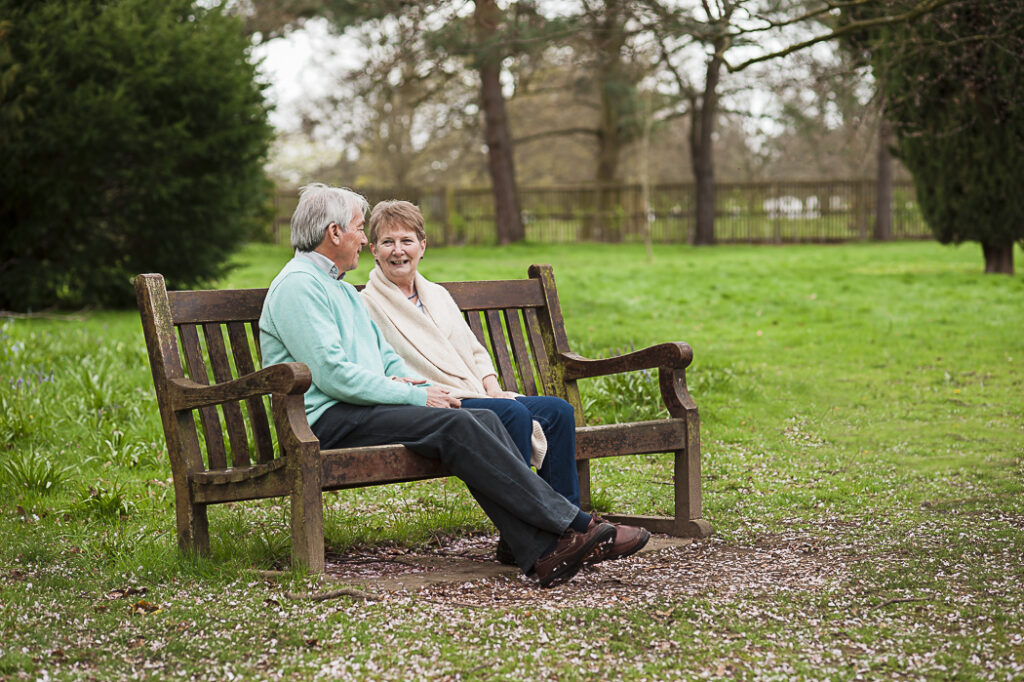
<point>352,467</point>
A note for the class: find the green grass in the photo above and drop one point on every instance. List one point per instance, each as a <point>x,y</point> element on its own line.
<point>866,397</point>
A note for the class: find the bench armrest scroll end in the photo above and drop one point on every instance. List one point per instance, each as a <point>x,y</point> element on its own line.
<point>293,430</point>
<point>664,356</point>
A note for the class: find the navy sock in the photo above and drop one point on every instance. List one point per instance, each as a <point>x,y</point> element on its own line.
<point>581,522</point>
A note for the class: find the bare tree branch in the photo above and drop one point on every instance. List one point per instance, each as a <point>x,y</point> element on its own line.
<point>923,7</point>
<point>555,133</point>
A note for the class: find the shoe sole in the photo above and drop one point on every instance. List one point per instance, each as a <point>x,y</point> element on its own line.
<point>564,573</point>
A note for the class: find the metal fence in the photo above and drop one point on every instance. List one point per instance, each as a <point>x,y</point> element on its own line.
<point>780,212</point>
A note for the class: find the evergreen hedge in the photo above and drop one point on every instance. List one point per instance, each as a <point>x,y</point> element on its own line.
<point>132,139</point>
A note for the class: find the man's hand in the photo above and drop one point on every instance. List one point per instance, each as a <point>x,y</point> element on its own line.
<point>438,397</point>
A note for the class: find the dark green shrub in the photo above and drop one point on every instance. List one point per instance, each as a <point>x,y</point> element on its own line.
<point>132,134</point>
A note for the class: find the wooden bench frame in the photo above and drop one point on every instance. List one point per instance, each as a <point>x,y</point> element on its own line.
<point>522,321</point>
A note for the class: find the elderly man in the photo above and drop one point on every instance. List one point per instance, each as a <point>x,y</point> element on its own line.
<point>362,394</point>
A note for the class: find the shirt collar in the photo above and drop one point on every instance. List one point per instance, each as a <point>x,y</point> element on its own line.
<point>322,262</point>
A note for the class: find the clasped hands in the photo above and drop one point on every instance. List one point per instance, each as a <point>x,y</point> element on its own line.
<point>436,397</point>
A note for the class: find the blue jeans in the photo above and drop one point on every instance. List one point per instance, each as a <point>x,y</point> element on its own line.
<point>557,420</point>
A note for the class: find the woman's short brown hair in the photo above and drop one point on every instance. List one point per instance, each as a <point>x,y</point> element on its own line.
<point>394,213</point>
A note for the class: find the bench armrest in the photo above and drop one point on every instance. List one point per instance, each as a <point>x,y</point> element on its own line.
<point>283,378</point>
<point>669,356</point>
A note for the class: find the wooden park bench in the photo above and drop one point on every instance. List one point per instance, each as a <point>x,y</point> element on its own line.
<point>204,353</point>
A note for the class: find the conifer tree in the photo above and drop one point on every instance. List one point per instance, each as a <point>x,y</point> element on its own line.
<point>132,134</point>
<point>954,84</point>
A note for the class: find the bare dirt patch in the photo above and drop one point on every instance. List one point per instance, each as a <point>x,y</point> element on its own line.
<point>463,572</point>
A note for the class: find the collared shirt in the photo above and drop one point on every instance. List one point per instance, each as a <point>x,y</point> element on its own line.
<point>322,262</point>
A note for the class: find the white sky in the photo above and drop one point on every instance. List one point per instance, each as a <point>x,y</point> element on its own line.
<point>300,67</point>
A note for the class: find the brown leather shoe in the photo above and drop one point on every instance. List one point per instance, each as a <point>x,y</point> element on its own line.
<point>628,540</point>
<point>504,553</point>
<point>572,549</point>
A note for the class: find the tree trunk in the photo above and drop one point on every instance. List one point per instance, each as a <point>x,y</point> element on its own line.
<point>609,39</point>
<point>701,129</point>
<point>500,162</point>
<point>883,183</point>
<point>998,257</point>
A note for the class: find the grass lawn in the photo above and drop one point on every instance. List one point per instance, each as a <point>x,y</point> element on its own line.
<point>863,437</point>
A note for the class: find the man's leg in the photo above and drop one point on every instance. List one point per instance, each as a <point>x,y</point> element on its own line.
<point>558,420</point>
<point>474,446</point>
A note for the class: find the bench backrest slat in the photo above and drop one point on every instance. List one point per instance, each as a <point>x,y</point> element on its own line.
<point>521,293</point>
<point>208,416</point>
<point>540,353</point>
<point>499,347</point>
<point>242,352</point>
<point>216,349</point>
<point>473,320</point>
<point>520,352</point>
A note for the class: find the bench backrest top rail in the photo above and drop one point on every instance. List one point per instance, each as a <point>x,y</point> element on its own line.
<point>244,305</point>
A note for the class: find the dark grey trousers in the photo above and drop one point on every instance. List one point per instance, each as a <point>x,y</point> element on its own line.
<point>473,445</point>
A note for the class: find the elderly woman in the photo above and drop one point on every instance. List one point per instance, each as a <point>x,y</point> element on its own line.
<point>424,325</point>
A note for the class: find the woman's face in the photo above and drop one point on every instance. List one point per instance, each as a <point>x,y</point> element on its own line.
<point>398,252</point>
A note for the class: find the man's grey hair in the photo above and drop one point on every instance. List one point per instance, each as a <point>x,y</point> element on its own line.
<point>319,206</point>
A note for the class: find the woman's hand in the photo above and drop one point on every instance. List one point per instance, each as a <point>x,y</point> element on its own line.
<point>493,390</point>
<point>438,397</point>
<point>504,394</point>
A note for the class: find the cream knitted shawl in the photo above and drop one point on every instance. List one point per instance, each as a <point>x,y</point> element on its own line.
<point>438,346</point>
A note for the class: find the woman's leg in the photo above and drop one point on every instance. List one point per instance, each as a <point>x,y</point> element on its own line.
<point>558,420</point>
<point>515,416</point>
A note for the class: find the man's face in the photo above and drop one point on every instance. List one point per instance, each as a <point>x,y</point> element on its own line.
<point>350,243</point>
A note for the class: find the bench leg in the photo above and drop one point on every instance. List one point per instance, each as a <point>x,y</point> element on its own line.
<point>689,511</point>
<point>688,522</point>
<point>307,515</point>
<point>583,473</point>
<point>193,527</point>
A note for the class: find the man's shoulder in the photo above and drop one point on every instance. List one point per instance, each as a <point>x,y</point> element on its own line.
<point>296,273</point>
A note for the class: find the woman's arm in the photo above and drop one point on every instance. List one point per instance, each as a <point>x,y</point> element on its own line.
<point>492,388</point>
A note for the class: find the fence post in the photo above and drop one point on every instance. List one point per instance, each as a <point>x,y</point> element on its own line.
<point>276,229</point>
<point>447,202</point>
<point>776,213</point>
<point>863,208</point>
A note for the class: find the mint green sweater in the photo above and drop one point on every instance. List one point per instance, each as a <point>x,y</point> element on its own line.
<point>311,318</point>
